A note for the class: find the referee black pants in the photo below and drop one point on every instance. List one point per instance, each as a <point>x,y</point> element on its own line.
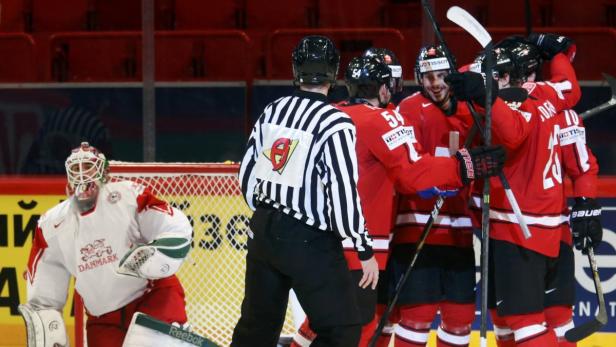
<point>286,253</point>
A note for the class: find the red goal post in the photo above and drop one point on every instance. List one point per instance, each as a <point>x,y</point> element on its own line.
<point>213,275</point>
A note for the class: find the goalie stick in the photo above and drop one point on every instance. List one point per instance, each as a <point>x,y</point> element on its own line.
<point>582,331</point>
<point>606,105</point>
<point>470,24</point>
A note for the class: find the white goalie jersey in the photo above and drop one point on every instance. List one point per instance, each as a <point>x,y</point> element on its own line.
<point>90,246</point>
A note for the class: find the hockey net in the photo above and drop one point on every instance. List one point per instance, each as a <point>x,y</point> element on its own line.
<point>213,274</point>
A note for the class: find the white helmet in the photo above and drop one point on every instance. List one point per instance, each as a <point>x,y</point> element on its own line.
<point>86,170</point>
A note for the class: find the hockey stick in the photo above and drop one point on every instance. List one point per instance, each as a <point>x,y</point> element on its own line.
<point>580,332</point>
<point>467,22</point>
<point>470,24</point>
<point>422,240</point>
<point>528,18</point>
<point>606,105</point>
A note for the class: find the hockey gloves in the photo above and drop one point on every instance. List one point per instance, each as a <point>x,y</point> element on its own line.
<point>470,86</point>
<point>480,162</point>
<point>585,221</point>
<point>552,44</point>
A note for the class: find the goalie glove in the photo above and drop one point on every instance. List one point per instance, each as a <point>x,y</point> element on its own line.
<point>585,221</point>
<point>480,162</point>
<point>158,259</point>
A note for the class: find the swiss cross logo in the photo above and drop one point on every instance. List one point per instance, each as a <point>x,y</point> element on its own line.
<point>280,153</point>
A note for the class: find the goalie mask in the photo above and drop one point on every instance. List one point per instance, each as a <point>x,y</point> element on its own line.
<point>86,171</point>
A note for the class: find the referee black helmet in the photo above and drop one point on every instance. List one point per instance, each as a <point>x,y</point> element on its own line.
<point>315,61</point>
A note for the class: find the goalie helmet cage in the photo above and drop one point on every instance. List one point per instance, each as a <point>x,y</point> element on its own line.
<point>213,273</point>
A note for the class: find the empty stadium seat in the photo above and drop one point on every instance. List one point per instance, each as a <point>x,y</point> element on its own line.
<point>117,15</point>
<point>276,14</point>
<point>403,15</point>
<point>180,56</point>
<point>96,56</point>
<point>199,14</point>
<point>576,13</point>
<point>211,56</point>
<point>477,8</point>
<point>65,15</point>
<point>18,58</point>
<point>350,43</point>
<point>513,13</point>
<point>351,14</point>
<point>13,15</point>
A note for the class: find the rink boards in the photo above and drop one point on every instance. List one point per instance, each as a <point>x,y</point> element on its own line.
<point>20,208</point>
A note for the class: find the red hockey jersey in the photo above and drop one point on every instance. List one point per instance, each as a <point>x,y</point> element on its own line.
<point>533,167</point>
<point>577,160</point>
<point>453,226</point>
<point>389,160</point>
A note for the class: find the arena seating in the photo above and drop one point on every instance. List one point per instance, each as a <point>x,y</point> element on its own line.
<point>351,14</point>
<point>279,14</point>
<point>18,58</point>
<point>350,43</point>
<point>13,16</point>
<point>180,56</point>
<point>199,14</point>
<point>572,13</point>
<point>199,55</point>
<point>65,15</point>
<point>591,25</point>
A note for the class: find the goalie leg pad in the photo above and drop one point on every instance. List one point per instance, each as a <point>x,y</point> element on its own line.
<point>45,328</point>
<point>146,331</point>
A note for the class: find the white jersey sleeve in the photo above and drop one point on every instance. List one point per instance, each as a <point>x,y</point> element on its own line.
<point>47,277</point>
<point>156,217</point>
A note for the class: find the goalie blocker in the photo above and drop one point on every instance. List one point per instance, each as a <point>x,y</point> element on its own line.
<point>45,328</point>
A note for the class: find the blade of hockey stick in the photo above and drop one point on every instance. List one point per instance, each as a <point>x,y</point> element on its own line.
<point>467,22</point>
<point>580,332</point>
<point>422,240</point>
<point>606,105</point>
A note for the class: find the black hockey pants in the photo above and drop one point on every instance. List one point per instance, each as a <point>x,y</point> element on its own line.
<point>286,253</point>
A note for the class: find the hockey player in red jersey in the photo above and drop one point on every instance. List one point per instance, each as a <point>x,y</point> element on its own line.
<point>444,276</point>
<point>580,165</point>
<point>390,159</point>
<point>521,271</point>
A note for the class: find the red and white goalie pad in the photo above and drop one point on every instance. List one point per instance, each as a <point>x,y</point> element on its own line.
<point>45,328</point>
<point>158,259</point>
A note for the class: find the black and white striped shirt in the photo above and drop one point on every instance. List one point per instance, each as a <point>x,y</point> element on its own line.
<point>300,159</point>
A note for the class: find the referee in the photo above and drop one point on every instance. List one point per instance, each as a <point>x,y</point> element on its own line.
<point>299,174</point>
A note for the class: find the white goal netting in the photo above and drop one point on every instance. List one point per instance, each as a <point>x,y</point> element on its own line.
<point>213,275</point>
